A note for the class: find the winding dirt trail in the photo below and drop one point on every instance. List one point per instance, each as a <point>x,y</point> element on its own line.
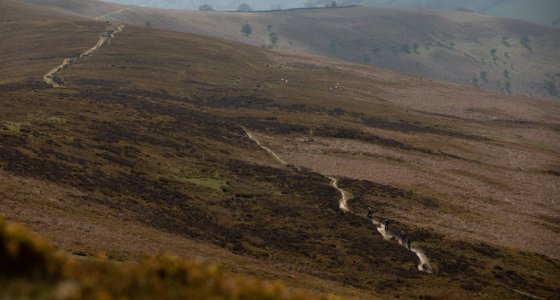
<point>343,202</point>
<point>424,262</point>
<point>51,77</point>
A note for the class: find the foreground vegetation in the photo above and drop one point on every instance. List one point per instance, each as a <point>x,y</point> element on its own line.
<point>30,268</point>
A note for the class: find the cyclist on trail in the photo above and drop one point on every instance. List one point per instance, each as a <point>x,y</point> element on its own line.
<point>404,239</point>
<point>370,213</point>
<point>385,223</point>
<point>402,235</point>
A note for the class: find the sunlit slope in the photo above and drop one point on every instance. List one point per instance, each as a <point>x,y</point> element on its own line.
<point>146,150</point>
<point>505,55</point>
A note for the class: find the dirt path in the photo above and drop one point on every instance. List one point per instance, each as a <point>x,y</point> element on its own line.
<point>51,77</point>
<point>254,139</point>
<point>424,264</point>
<point>343,202</point>
<point>111,13</point>
<point>526,294</point>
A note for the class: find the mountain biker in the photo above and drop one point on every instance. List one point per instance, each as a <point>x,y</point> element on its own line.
<point>369,213</point>
<point>402,235</point>
<point>404,239</point>
<point>385,223</point>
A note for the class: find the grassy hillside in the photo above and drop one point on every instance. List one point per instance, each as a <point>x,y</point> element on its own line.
<point>80,7</point>
<point>505,55</point>
<point>544,12</point>
<point>216,4</point>
<point>144,151</point>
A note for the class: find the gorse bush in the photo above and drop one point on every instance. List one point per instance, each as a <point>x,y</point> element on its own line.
<point>30,268</point>
<point>23,255</point>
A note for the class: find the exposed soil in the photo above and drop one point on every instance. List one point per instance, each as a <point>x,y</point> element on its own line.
<point>52,78</point>
<point>424,264</point>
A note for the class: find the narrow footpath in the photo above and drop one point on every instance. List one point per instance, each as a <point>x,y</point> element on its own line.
<point>343,203</point>
<point>424,262</point>
<point>265,148</point>
<point>52,78</point>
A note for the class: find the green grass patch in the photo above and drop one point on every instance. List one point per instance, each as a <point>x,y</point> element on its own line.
<point>348,195</point>
<point>12,126</point>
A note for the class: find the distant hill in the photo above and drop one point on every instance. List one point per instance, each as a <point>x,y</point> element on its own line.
<point>544,12</point>
<point>216,4</point>
<point>89,8</point>
<point>505,55</point>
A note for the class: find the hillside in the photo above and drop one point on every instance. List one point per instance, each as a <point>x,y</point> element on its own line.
<point>544,12</point>
<point>79,7</point>
<point>158,141</point>
<point>504,55</point>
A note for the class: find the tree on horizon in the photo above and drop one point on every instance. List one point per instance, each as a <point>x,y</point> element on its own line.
<point>244,7</point>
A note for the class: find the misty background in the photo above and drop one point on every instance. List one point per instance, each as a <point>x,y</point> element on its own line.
<point>545,12</point>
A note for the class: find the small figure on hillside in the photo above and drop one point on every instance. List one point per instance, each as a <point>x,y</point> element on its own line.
<point>370,213</point>
<point>407,243</point>
<point>404,239</point>
<point>385,223</point>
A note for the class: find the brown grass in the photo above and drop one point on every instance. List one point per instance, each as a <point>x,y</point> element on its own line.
<point>450,46</point>
<point>101,165</point>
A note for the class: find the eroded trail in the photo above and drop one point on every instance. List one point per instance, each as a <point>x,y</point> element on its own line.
<point>343,202</point>
<point>424,262</point>
<point>55,81</point>
<point>265,148</point>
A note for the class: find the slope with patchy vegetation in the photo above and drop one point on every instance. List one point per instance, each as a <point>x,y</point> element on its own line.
<point>505,55</point>
<point>144,152</point>
<point>544,12</point>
